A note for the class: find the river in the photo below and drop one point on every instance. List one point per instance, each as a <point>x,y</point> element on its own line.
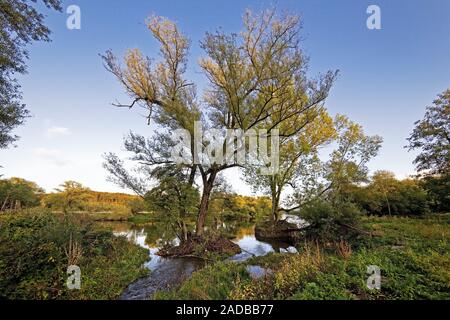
<point>167,273</point>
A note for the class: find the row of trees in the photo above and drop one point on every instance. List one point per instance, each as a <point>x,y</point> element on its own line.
<point>385,195</point>
<point>73,196</point>
<point>17,194</point>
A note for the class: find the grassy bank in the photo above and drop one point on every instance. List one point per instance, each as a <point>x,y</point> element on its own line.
<point>412,253</point>
<point>36,247</point>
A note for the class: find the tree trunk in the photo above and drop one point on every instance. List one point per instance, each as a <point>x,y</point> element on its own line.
<point>275,208</point>
<point>204,204</point>
<point>184,230</point>
<point>192,175</point>
<point>275,201</point>
<point>5,203</point>
<point>387,201</point>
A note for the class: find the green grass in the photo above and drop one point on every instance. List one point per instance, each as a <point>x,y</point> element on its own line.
<point>214,282</point>
<point>412,253</point>
<point>34,258</point>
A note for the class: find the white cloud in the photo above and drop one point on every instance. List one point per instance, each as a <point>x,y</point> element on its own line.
<point>54,156</point>
<point>58,131</point>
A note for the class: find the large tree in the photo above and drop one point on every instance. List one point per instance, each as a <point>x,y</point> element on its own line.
<point>257,80</point>
<point>21,24</point>
<point>432,136</point>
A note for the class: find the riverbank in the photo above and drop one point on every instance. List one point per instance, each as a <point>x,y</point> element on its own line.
<point>170,273</point>
<point>36,248</point>
<point>413,255</point>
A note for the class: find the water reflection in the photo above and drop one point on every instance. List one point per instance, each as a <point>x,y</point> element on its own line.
<point>257,272</point>
<point>149,237</point>
<point>251,246</point>
<point>170,272</point>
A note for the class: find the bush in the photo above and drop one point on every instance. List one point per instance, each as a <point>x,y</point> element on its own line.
<point>37,247</point>
<point>290,275</point>
<point>330,221</point>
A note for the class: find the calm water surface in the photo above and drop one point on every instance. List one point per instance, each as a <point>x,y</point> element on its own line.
<point>167,273</point>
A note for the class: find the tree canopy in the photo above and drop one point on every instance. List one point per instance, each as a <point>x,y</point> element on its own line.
<point>17,193</point>
<point>432,137</point>
<point>256,80</point>
<point>21,24</point>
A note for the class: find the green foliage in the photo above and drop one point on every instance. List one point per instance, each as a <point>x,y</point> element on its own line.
<point>21,24</point>
<point>174,201</point>
<point>74,197</point>
<point>35,251</point>
<point>213,282</point>
<point>432,137</point>
<point>346,167</point>
<point>354,150</point>
<point>330,220</point>
<point>172,197</point>
<point>412,253</point>
<point>385,195</point>
<point>137,205</point>
<point>437,188</point>
<point>142,218</point>
<point>269,261</point>
<point>16,193</point>
<point>229,206</point>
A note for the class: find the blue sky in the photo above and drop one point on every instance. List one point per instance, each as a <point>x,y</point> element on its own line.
<point>387,76</point>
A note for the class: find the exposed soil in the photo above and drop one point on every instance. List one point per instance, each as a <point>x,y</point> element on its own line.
<point>201,247</point>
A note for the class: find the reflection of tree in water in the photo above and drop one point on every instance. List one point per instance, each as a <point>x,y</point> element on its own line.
<point>241,232</point>
<point>114,226</point>
<point>159,234</point>
<point>237,229</point>
<point>279,245</point>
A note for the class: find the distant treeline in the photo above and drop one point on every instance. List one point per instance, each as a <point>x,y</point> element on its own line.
<point>226,205</point>
<point>386,195</point>
<point>382,195</point>
<point>17,194</point>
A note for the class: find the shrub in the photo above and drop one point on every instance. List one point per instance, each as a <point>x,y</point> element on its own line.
<point>37,247</point>
<point>330,222</point>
